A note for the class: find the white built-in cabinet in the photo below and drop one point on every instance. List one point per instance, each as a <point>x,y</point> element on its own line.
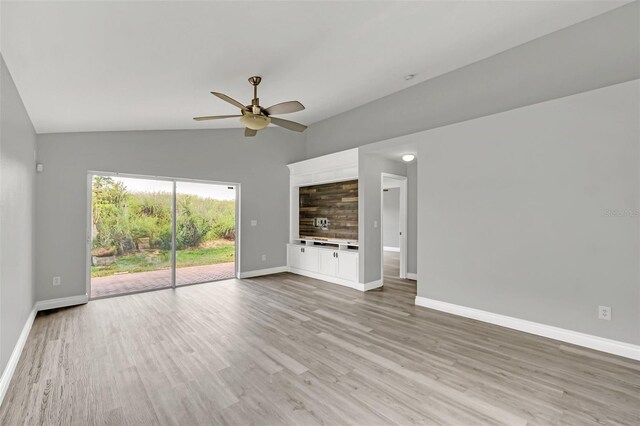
<point>347,266</point>
<point>328,262</point>
<point>334,265</point>
<point>303,258</point>
<point>333,261</point>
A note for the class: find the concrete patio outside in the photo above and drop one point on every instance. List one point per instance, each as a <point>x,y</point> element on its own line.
<point>139,281</point>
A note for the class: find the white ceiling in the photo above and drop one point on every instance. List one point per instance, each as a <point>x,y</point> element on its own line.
<point>89,66</point>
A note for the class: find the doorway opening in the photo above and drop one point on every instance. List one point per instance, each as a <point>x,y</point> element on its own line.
<point>394,225</point>
<point>153,233</point>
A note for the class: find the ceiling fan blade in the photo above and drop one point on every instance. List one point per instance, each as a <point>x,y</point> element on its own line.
<point>215,117</point>
<point>249,132</point>
<point>230,100</point>
<point>284,108</point>
<point>291,125</point>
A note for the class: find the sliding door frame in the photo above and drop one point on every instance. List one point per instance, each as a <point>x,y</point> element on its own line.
<point>236,187</point>
<point>174,212</point>
<point>174,226</point>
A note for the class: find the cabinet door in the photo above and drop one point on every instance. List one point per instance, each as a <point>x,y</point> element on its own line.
<point>348,266</point>
<point>309,259</point>
<point>327,262</point>
<point>294,256</point>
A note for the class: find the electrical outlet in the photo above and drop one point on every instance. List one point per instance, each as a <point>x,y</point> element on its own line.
<point>264,257</point>
<point>56,281</point>
<point>320,222</point>
<point>254,222</point>
<point>604,313</point>
<point>375,223</point>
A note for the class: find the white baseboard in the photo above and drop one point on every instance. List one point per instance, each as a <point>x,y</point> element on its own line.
<point>260,272</point>
<point>62,302</point>
<point>412,276</point>
<point>43,305</point>
<point>354,285</point>
<point>322,277</point>
<point>370,285</point>
<point>395,249</point>
<point>10,368</point>
<point>615,347</point>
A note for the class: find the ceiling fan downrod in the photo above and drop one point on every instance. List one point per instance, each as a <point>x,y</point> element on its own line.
<point>254,81</point>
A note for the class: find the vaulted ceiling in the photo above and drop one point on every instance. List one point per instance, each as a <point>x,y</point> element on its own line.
<point>101,66</point>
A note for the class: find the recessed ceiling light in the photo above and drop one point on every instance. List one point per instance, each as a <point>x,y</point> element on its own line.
<point>409,76</point>
<point>408,158</point>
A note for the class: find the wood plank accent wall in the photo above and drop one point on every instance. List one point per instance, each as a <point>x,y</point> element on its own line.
<point>338,202</point>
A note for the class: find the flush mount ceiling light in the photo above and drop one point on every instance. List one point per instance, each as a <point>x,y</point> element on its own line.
<point>407,158</point>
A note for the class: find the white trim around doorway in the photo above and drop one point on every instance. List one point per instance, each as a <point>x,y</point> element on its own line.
<point>402,184</point>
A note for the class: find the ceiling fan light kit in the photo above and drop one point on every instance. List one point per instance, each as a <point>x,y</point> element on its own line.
<point>254,121</point>
<point>254,117</point>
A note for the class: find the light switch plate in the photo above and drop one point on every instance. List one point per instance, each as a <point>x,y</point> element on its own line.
<point>254,222</point>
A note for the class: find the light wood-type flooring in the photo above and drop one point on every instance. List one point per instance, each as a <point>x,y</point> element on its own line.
<point>285,349</point>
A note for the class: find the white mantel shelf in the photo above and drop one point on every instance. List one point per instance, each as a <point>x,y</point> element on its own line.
<point>312,240</point>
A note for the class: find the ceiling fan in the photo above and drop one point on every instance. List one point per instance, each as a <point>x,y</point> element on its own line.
<point>254,117</point>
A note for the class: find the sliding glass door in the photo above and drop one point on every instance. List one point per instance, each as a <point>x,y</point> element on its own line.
<point>150,234</point>
<point>131,235</point>
<point>205,232</point>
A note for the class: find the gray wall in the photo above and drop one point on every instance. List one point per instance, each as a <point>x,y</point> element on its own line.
<point>391,216</point>
<point>591,54</point>
<point>370,167</point>
<point>17,176</point>
<point>412,218</point>
<point>533,213</point>
<point>258,164</point>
